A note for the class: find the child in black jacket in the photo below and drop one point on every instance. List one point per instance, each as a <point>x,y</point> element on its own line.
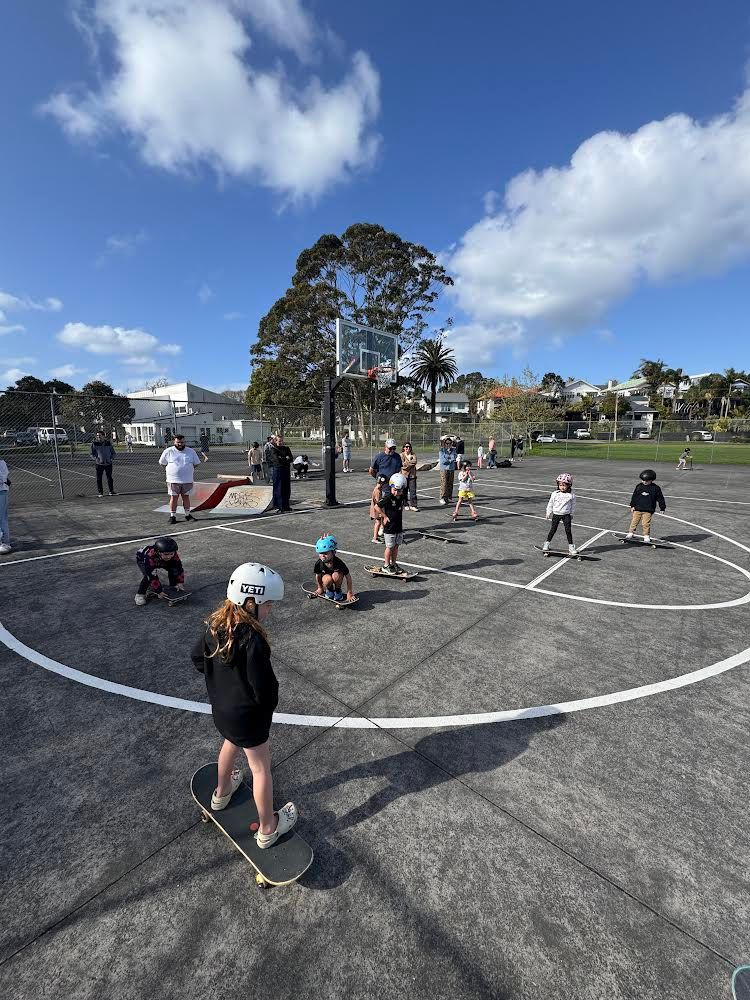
<point>647,496</point>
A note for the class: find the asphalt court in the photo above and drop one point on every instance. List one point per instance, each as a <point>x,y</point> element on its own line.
<point>583,853</point>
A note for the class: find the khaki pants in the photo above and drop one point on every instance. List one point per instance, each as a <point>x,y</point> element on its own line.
<point>446,485</point>
<point>641,517</point>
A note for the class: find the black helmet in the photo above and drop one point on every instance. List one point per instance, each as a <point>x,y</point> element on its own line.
<point>165,544</point>
<point>648,475</point>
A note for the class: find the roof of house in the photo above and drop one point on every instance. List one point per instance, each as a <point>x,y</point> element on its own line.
<point>505,391</point>
<point>631,383</point>
<point>451,397</point>
<point>636,407</point>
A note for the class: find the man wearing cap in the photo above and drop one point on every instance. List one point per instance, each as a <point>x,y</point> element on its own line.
<point>386,464</point>
<point>447,467</point>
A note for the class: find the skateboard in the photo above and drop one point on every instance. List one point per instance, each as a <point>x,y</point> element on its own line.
<point>434,536</point>
<point>559,552</point>
<point>175,596</point>
<point>280,864</point>
<point>378,571</point>
<point>655,543</point>
<point>312,594</point>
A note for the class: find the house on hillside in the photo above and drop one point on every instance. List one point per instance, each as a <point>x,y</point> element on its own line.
<point>574,391</point>
<point>486,405</point>
<point>447,404</point>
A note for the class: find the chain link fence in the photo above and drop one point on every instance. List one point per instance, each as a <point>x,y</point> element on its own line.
<point>46,439</point>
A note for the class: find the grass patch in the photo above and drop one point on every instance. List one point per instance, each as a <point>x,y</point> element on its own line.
<point>704,452</point>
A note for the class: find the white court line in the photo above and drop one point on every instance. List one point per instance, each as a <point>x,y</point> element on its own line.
<point>362,722</point>
<point>76,473</point>
<point>564,559</point>
<point>513,513</point>
<point>593,489</point>
<point>17,468</point>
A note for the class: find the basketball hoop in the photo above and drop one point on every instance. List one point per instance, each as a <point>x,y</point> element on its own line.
<point>382,375</point>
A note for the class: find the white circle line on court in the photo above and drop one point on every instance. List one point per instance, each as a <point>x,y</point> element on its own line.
<point>594,489</point>
<point>361,722</point>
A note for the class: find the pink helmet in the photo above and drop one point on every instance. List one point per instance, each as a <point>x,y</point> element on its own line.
<point>565,477</point>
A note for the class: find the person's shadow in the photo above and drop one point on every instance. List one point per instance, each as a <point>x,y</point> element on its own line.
<point>453,753</point>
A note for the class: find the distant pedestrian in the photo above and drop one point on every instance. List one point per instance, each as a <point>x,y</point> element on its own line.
<point>280,459</point>
<point>4,501</point>
<point>255,461</point>
<point>519,447</point>
<point>129,443</point>
<point>267,445</point>
<point>491,454</point>
<point>103,455</point>
<point>346,453</point>
<point>480,456</point>
<point>460,446</point>
<point>205,444</point>
<point>180,462</point>
<point>447,467</point>
<point>512,447</point>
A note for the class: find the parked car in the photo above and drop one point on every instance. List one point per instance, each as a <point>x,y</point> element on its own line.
<point>583,432</point>
<point>644,435</point>
<point>702,436</point>
<point>46,435</point>
<point>546,439</point>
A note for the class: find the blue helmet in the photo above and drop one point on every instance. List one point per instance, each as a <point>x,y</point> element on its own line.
<point>326,544</point>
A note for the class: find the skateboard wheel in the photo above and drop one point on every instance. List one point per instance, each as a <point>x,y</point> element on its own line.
<point>204,817</point>
<point>260,881</point>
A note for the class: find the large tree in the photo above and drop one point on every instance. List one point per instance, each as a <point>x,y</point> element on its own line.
<point>96,407</point>
<point>28,402</point>
<point>553,383</point>
<point>610,404</point>
<point>523,408</point>
<point>655,373</point>
<point>433,366</point>
<point>367,275</point>
<point>476,386</point>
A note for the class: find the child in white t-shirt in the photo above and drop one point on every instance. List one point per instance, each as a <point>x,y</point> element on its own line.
<point>561,507</point>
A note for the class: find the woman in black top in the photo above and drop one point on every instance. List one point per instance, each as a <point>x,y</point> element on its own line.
<point>234,656</point>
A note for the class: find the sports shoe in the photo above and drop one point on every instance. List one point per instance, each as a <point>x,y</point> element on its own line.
<point>572,550</point>
<point>5,549</point>
<point>416,509</point>
<point>288,816</point>
<point>629,534</point>
<point>112,493</point>
<point>647,538</point>
<point>330,594</point>
<point>189,517</point>
<point>219,802</point>
<point>442,501</point>
<point>172,519</point>
<point>140,600</point>
<point>376,541</point>
<point>389,570</point>
<point>546,547</point>
<point>100,496</point>
<point>338,596</point>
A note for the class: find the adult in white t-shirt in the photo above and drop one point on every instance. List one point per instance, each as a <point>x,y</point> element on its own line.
<point>180,462</point>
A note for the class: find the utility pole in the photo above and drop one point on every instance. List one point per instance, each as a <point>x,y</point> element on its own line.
<point>330,385</point>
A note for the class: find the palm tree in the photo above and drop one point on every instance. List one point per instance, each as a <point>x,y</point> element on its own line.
<point>434,367</point>
<point>654,372</point>
<point>674,376</point>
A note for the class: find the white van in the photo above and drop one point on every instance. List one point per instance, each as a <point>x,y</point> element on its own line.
<point>46,435</point>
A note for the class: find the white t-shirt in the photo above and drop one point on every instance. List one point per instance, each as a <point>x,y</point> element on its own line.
<point>179,464</point>
<point>3,475</point>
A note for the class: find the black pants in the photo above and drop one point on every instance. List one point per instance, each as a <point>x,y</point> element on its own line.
<point>566,520</point>
<point>282,487</point>
<point>100,470</point>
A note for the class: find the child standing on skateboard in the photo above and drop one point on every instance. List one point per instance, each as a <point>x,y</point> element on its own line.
<point>160,554</point>
<point>375,517</point>
<point>647,496</point>
<point>234,656</point>
<point>561,507</point>
<point>391,509</point>
<point>331,572</point>
<point>465,490</point>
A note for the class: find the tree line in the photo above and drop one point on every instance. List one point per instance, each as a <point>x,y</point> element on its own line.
<point>31,402</point>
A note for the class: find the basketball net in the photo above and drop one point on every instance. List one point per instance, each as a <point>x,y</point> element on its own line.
<point>382,375</point>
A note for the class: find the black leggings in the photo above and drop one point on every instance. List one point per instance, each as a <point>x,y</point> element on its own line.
<point>100,471</point>
<point>566,519</point>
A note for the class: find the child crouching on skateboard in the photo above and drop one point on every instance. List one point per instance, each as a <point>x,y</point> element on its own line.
<point>161,554</point>
<point>561,507</point>
<point>234,656</point>
<point>331,572</point>
<point>375,517</point>
<point>391,509</point>
<point>647,496</point>
<point>465,490</point>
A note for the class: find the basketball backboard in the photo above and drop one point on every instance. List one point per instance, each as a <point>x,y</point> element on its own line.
<point>363,352</point>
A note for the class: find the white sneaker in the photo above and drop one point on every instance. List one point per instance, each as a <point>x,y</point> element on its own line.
<point>442,501</point>
<point>140,600</point>
<point>545,547</point>
<point>647,538</point>
<point>629,534</point>
<point>5,549</point>
<point>288,816</point>
<point>219,802</point>
<point>572,550</point>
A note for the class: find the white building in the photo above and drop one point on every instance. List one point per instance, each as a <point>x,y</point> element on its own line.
<point>447,404</point>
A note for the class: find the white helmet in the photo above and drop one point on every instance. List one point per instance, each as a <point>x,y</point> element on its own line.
<point>390,443</point>
<point>398,480</point>
<point>254,580</point>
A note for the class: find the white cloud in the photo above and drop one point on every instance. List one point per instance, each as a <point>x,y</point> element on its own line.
<point>66,371</point>
<point>231,316</point>
<point>113,340</point>
<point>184,90</point>
<point>605,335</point>
<point>670,200</point>
<point>12,328</point>
<point>123,245</point>
<point>12,375</point>
<point>477,346</point>
<point>14,303</point>
<point>205,294</point>
<point>490,202</point>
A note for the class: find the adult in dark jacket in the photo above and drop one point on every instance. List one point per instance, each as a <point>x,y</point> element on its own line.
<point>234,656</point>
<point>280,459</point>
<point>104,455</point>
<point>647,496</point>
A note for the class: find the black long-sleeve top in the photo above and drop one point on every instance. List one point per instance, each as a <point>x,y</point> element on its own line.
<point>280,456</point>
<point>647,497</point>
<point>243,690</point>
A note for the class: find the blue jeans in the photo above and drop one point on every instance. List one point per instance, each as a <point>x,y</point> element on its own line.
<point>4,529</point>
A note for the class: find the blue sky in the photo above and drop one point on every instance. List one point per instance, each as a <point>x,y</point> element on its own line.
<point>582,169</point>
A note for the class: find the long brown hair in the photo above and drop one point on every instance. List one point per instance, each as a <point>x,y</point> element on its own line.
<point>224,622</point>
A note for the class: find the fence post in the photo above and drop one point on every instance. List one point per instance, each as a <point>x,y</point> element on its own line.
<point>658,439</point>
<point>567,435</point>
<point>54,439</point>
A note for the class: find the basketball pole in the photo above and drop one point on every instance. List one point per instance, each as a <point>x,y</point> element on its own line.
<point>330,385</point>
